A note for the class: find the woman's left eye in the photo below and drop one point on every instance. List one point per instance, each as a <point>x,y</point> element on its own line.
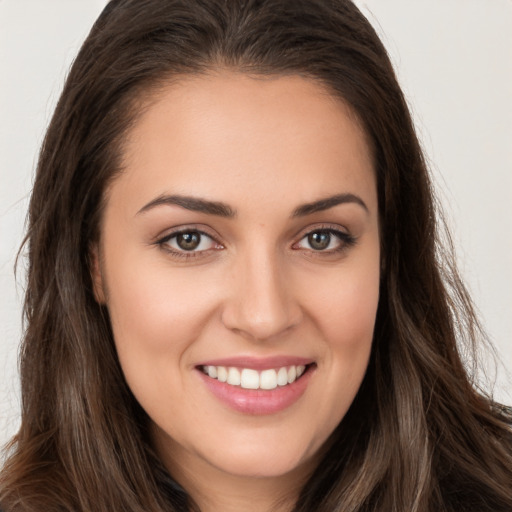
<point>325,240</point>
<point>191,241</point>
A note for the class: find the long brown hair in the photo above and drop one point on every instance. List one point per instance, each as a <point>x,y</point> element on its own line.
<point>418,437</point>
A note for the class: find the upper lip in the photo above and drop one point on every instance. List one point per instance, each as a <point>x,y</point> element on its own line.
<point>258,363</point>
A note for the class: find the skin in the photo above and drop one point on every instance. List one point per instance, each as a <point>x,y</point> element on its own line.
<point>257,287</point>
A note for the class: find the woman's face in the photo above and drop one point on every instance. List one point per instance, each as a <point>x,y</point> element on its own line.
<point>241,243</point>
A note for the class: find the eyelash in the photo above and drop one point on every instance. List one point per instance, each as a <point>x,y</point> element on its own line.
<point>345,242</point>
<point>163,243</point>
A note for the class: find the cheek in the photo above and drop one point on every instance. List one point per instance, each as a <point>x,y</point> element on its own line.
<point>156,315</point>
<point>347,324</point>
<point>344,310</point>
<point>145,296</point>
<point>346,304</point>
<point>350,314</point>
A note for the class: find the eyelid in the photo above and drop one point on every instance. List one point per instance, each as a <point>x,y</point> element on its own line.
<point>162,241</point>
<point>322,226</point>
<point>345,237</point>
<point>185,228</point>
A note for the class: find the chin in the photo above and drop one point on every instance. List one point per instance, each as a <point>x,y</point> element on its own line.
<point>255,461</point>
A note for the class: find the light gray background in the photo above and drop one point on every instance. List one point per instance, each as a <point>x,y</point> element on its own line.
<point>454,60</point>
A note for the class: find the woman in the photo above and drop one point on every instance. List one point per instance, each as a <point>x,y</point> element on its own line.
<point>236,298</point>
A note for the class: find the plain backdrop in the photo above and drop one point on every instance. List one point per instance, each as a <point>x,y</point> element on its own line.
<point>454,61</point>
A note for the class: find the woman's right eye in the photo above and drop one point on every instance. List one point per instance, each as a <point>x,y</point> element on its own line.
<point>188,243</point>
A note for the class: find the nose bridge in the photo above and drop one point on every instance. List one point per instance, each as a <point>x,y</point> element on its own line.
<point>261,304</point>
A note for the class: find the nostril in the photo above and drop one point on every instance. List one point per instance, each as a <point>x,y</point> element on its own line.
<point>259,326</point>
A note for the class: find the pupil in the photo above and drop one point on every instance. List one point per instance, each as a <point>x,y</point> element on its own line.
<point>319,240</point>
<point>188,241</point>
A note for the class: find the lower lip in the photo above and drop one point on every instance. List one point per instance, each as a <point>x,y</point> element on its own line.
<point>258,401</point>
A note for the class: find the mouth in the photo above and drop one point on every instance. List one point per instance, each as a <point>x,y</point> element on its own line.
<point>252,379</point>
<point>256,387</point>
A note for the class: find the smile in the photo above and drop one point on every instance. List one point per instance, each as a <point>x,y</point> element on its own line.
<point>257,386</point>
<point>249,378</point>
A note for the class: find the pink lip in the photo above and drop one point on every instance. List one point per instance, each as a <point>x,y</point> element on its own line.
<point>264,363</point>
<point>259,401</point>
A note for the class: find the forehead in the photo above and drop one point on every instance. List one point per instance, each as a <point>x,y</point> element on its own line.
<point>218,134</point>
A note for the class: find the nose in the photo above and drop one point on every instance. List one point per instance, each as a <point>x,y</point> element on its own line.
<point>261,304</point>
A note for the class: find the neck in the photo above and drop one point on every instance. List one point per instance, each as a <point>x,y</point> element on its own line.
<point>236,493</point>
<point>215,490</point>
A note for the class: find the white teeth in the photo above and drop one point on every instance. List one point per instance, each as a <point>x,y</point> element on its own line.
<point>222,373</point>
<point>233,377</point>
<point>268,379</point>
<point>282,377</point>
<point>249,378</point>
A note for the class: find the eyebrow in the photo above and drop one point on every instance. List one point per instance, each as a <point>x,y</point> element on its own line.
<point>223,210</point>
<point>328,202</point>
<point>191,203</point>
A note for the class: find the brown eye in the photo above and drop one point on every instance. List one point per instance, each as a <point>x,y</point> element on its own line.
<point>319,240</point>
<point>192,242</point>
<point>325,240</point>
<point>188,241</point>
